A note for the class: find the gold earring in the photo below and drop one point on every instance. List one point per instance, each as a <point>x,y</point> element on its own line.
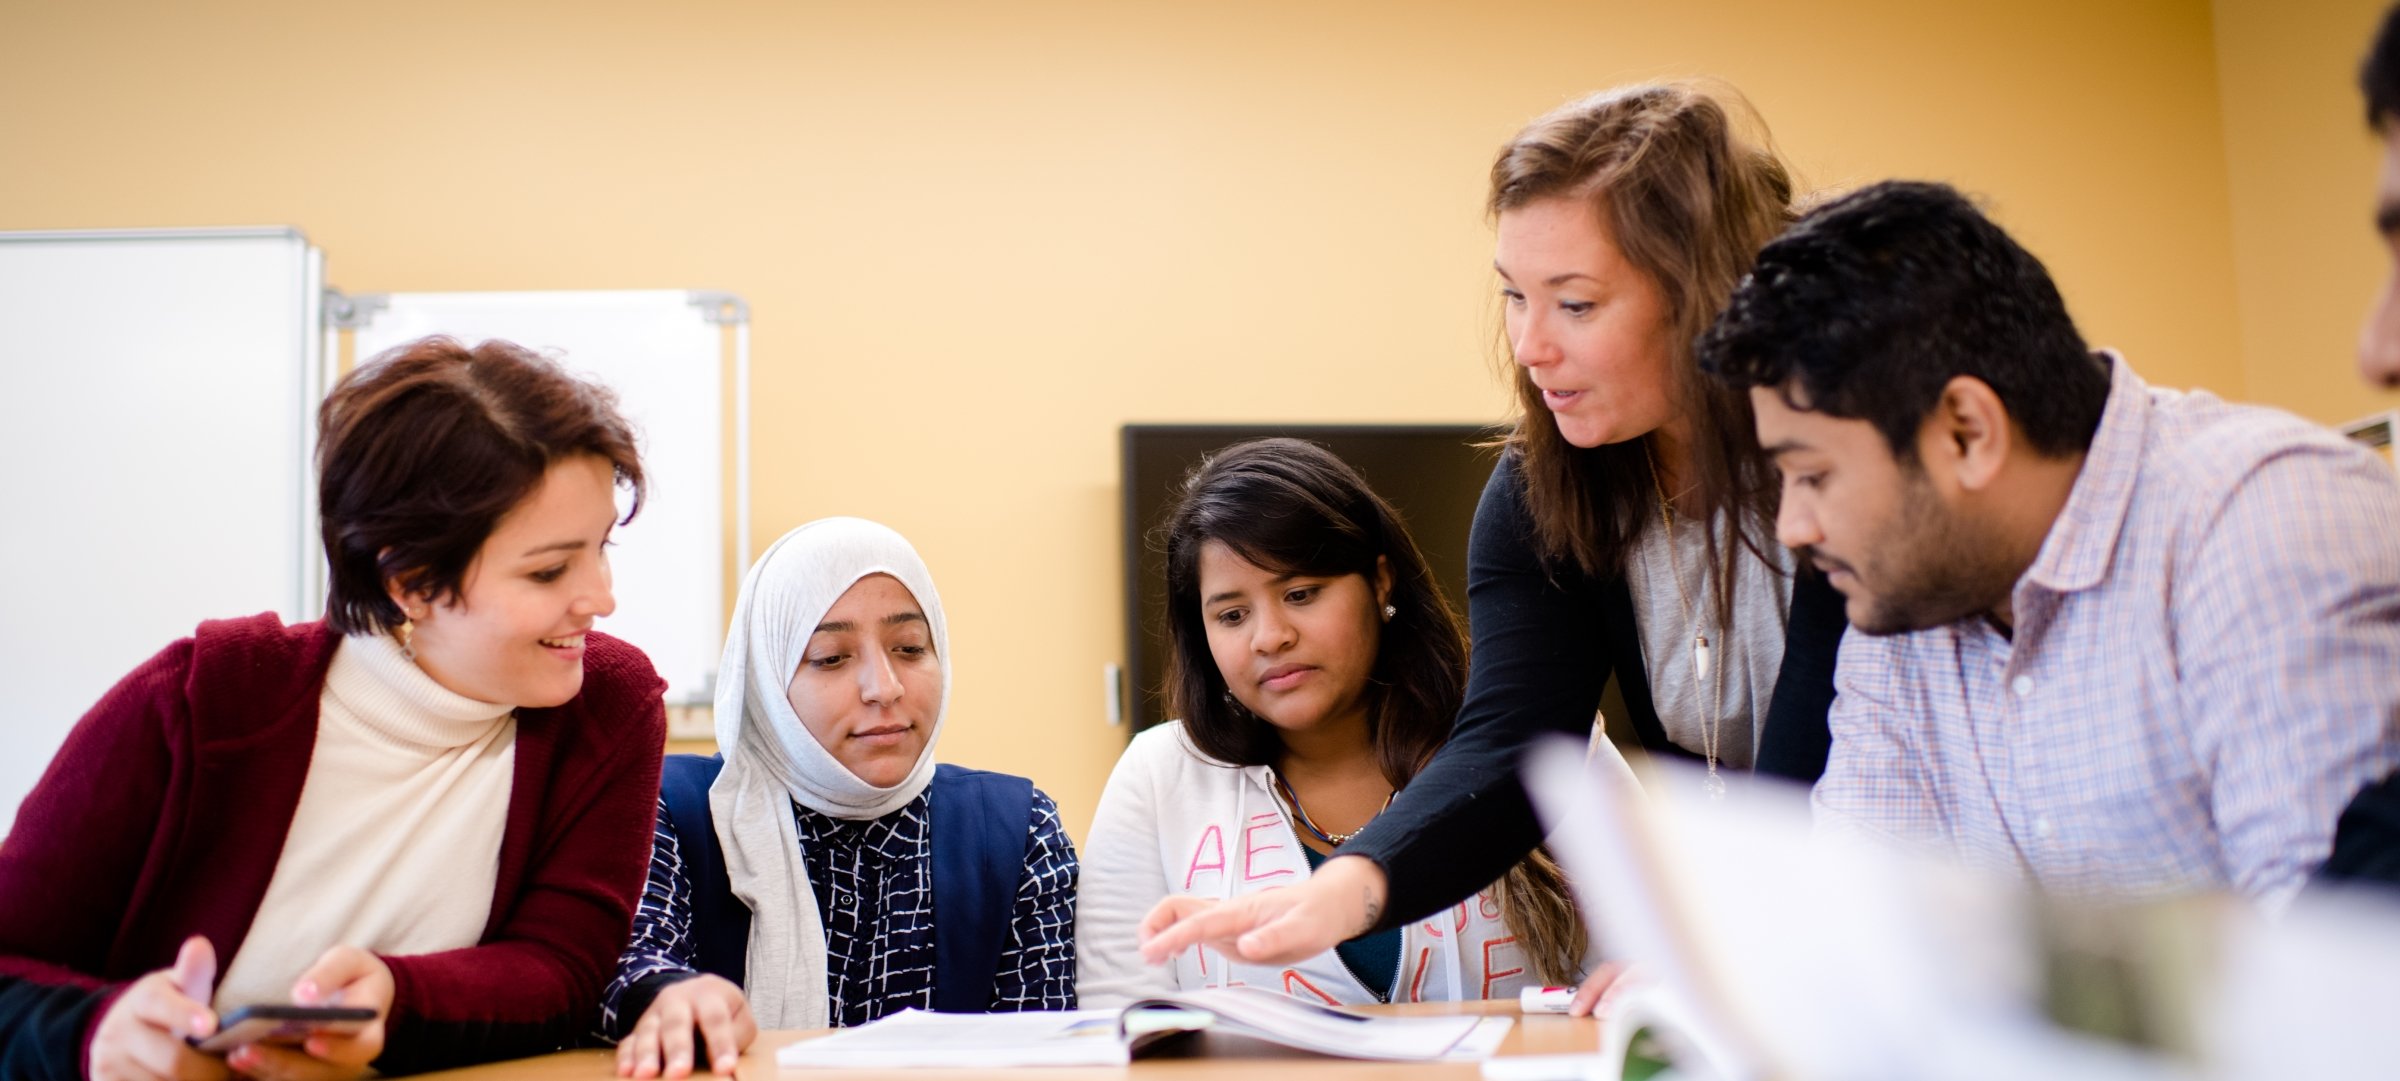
<point>405,631</point>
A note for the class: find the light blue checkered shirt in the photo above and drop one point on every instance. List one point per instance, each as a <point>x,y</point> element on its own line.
<point>2206,667</point>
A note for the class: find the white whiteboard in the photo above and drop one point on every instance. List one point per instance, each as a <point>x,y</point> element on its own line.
<point>664,357</point>
<point>157,396</point>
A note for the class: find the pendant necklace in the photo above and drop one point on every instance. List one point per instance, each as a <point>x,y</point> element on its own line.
<point>1301,816</point>
<point>1702,668</point>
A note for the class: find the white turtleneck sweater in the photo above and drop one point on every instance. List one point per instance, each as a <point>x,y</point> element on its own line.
<point>395,847</point>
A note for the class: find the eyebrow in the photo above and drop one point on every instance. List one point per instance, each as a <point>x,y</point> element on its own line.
<point>556,546</point>
<point>837,626</point>
<point>1235,594</point>
<point>1785,446</point>
<point>2387,218</point>
<point>1554,280</point>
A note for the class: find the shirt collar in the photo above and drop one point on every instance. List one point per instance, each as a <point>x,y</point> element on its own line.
<point>2076,553</point>
<point>905,826</point>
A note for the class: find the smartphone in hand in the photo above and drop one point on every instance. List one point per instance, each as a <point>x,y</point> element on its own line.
<point>283,1024</point>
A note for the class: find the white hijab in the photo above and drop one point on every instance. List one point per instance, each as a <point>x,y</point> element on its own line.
<point>771,760</point>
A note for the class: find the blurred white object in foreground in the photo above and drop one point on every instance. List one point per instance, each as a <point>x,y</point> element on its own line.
<point>1773,954</point>
<point>2312,994</point>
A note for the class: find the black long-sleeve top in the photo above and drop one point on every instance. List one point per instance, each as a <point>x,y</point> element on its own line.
<point>2366,840</point>
<point>1546,639</point>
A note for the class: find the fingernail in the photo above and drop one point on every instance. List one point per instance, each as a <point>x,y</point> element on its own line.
<point>305,990</point>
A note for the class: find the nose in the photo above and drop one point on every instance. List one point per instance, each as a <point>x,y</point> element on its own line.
<point>878,681</point>
<point>1796,523</point>
<point>1530,340</point>
<point>598,597</point>
<point>2379,340</point>
<point>1271,632</point>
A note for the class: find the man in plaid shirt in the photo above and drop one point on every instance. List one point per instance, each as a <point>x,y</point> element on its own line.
<point>2366,843</point>
<point>2118,640</point>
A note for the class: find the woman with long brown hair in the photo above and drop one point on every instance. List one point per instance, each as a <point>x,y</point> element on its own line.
<point>1627,530</point>
<point>1315,668</point>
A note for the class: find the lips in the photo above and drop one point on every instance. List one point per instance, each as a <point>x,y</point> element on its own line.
<point>1834,570</point>
<point>572,641</point>
<point>882,735</point>
<point>1284,677</point>
<point>1560,399</point>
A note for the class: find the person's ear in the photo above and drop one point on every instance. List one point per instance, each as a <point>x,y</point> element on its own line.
<point>1383,581</point>
<point>1968,434</point>
<point>413,603</point>
<point>396,587</point>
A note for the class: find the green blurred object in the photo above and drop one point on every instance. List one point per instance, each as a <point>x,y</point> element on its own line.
<point>1644,1059</point>
<point>2136,973</point>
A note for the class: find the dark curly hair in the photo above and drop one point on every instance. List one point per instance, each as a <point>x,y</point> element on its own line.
<point>1872,303</point>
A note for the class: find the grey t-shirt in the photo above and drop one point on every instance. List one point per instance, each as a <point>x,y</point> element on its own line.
<point>1744,659</point>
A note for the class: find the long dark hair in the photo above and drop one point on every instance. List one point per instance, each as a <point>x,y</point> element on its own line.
<point>1292,507</point>
<point>1689,200</point>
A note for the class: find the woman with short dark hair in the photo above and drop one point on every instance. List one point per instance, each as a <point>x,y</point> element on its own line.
<point>434,803</point>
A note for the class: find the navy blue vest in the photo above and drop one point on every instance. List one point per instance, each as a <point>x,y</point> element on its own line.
<point>980,831</point>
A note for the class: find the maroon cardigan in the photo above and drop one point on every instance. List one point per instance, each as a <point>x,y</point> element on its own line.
<point>165,812</point>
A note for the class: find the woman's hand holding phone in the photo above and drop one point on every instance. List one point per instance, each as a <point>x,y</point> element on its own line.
<point>141,1037</point>
<point>343,976</point>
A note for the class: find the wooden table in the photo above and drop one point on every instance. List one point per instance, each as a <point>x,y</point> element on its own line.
<point>1209,1057</point>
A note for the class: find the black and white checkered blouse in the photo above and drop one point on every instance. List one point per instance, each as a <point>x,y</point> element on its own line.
<point>874,887</point>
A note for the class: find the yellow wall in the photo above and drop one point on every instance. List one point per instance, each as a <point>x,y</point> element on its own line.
<point>979,237</point>
<point>2302,166</point>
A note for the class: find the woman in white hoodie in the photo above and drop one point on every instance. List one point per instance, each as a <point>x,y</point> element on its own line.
<point>1316,668</point>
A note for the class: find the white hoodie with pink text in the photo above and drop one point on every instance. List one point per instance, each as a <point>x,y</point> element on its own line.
<point>1173,821</point>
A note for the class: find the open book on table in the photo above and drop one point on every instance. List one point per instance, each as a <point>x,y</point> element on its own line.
<point>1112,1037</point>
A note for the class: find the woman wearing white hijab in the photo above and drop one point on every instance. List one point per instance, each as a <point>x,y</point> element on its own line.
<point>796,878</point>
